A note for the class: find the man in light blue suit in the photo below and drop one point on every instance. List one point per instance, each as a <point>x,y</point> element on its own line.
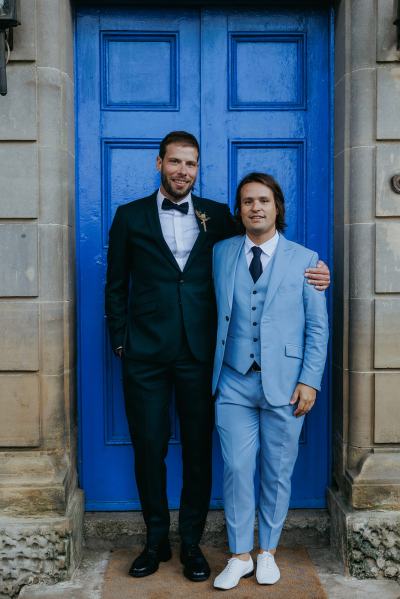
<point>269,361</point>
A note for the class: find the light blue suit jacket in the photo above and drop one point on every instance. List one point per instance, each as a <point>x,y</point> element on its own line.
<point>294,321</point>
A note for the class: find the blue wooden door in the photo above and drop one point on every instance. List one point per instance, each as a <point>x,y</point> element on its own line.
<point>253,86</point>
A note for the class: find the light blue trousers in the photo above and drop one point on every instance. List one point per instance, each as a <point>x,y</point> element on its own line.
<point>248,425</point>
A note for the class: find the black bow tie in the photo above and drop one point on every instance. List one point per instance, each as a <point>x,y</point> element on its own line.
<point>168,205</point>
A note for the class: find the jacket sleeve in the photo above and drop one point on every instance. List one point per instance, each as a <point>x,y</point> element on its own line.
<point>316,333</point>
<point>117,282</point>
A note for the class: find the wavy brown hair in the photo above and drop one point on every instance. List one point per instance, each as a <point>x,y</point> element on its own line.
<point>273,185</point>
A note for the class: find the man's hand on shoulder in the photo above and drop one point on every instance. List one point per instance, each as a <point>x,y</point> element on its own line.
<point>305,396</point>
<point>319,276</point>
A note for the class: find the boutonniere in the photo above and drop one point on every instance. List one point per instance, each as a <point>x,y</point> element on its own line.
<point>203,218</point>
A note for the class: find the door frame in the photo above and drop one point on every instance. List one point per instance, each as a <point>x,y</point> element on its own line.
<point>195,4</point>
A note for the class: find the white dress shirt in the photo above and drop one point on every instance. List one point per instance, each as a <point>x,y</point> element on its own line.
<point>180,230</point>
<point>268,248</point>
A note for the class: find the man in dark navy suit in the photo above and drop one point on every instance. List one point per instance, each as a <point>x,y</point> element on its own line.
<point>162,320</point>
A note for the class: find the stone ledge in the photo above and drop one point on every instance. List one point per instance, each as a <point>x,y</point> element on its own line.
<point>112,530</point>
<point>40,549</point>
<point>367,541</point>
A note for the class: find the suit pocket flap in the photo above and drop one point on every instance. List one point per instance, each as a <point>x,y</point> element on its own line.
<point>146,308</point>
<point>294,351</point>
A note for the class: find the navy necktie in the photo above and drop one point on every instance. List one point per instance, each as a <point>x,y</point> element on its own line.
<point>168,205</point>
<point>255,267</point>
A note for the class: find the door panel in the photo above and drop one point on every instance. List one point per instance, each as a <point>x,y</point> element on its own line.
<point>253,86</point>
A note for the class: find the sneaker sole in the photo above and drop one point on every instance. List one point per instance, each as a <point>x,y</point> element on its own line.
<point>269,583</point>
<point>230,588</point>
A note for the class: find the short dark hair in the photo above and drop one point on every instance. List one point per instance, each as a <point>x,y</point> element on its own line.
<point>178,137</point>
<point>268,181</point>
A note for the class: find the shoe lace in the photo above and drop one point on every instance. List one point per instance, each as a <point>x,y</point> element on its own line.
<point>267,560</point>
<point>231,563</point>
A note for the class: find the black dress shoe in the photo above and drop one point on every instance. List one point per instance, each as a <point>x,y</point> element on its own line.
<point>195,564</point>
<point>148,561</point>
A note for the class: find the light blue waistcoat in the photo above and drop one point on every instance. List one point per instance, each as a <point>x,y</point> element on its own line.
<point>243,340</point>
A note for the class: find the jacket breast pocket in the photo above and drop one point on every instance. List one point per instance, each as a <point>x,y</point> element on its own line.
<point>147,308</point>
<point>294,351</point>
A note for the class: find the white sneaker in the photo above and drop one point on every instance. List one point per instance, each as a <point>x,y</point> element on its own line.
<point>267,570</point>
<point>235,570</point>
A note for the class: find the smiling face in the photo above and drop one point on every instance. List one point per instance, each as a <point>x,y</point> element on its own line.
<point>258,211</point>
<point>178,170</point>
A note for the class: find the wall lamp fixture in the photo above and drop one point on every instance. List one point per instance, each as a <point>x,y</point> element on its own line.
<point>9,18</point>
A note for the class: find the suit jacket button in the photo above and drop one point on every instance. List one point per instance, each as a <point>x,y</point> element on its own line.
<point>226,317</point>
<point>254,292</point>
<point>254,324</point>
<point>251,355</point>
<point>181,281</point>
<point>223,342</point>
<point>254,308</point>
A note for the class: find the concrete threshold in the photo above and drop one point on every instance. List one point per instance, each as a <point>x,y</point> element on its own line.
<point>120,530</point>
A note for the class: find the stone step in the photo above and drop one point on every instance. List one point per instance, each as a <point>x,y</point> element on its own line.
<point>117,530</point>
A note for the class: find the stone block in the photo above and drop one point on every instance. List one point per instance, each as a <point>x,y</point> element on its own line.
<point>19,407</point>
<point>18,180</point>
<point>367,541</point>
<point>55,36</point>
<point>54,185</point>
<point>68,140</point>
<point>50,104</point>
<point>386,42</point>
<point>342,126</point>
<point>19,339</point>
<point>52,337</point>
<point>387,165</point>
<point>375,483</point>
<point>387,333</point>
<point>388,98</point>
<point>71,191</point>
<point>46,549</point>
<point>341,186</point>
<point>340,399</point>
<point>51,244</point>
<point>362,24</point>
<point>361,408</point>
<point>362,241</point>
<point>387,257</point>
<point>69,335</point>
<point>53,411</point>
<point>360,334</point>
<point>387,414</point>
<point>362,181</point>
<point>25,34</point>
<point>18,273</point>
<point>342,38</point>
<point>362,106</point>
<point>69,270</point>
<point>18,118</point>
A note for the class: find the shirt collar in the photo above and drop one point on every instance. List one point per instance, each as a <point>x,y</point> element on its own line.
<point>268,247</point>
<point>187,198</point>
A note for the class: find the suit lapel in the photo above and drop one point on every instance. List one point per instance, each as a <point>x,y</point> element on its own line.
<point>231,263</point>
<point>202,236</point>
<point>155,228</point>
<point>283,255</point>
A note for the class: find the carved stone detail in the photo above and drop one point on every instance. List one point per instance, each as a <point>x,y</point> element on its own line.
<point>32,554</point>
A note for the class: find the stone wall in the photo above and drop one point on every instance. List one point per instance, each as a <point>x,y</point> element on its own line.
<point>366,368</point>
<point>40,507</point>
